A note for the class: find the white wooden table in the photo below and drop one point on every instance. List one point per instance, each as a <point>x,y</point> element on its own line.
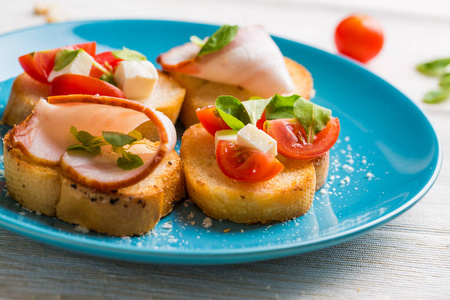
<point>408,258</point>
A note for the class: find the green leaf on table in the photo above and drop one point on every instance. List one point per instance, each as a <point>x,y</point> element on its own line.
<point>436,96</point>
<point>129,55</point>
<point>281,107</point>
<point>445,81</point>
<point>222,37</point>
<point>232,112</point>
<point>434,68</point>
<point>64,57</point>
<point>313,117</point>
<point>255,108</point>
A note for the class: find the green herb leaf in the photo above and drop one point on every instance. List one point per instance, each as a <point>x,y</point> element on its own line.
<point>445,81</point>
<point>435,67</point>
<point>313,117</point>
<point>232,112</point>
<point>197,41</point>
<point>136,134</point>
<point>64,57</point>
<point>222,37</point>
<point>90,149</point>
<point>255,108</point>
<point>117,139</point>
<point>281,107</point>
<point>129,161</point>
<point>436,96</point>
<point>129,55</point>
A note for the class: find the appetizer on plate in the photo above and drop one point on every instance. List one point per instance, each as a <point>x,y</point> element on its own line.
<point>79,158</point>
<point>259,160</point>
<point>242,62</point>
<point>77,69</point>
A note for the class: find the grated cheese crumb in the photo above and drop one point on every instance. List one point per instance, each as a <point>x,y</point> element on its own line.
<point>207,222</point>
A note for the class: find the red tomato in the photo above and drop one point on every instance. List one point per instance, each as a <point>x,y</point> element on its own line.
<point>242,163</point>
<point>39,64</point>
<point>106,59</point>
<point>260,122</point>
<point>69,84</point>
<point>360,37</point>
<point>291,138</point>
<point>211,120</point>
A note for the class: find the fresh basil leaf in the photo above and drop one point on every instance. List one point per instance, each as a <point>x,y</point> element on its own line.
<point>313,117</point>
<point>437,96</point>
<point>222,37</point>
<point>197,41</point>
<point>445,81</point>
<point>232,112</point>
<point>435,67</point>
<point>90,149</point>
<point>117,139</point>
<point>255,108</point>
<point>281,107</point>
<point>129,161</point>
<point>64,57</point>
<point>109,78</point>
<point>129,55</point>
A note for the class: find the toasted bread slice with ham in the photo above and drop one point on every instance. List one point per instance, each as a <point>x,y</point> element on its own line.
<point>288,195</point>
<point>25,92</point>
<point>202,93</point>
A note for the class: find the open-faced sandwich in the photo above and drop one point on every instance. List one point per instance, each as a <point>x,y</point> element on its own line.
<point>79,158</point>
<point>77,69</point>
<point>259,160</point>
<point>242,62</point>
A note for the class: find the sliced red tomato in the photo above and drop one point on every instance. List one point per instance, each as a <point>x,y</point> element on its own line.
<point>107,60</point>
<point>70,84</point>
<point>291,138</point>
<point>39,64</point>
<point>260,122</point>
<point>211,119</point>
<point>242,163</point>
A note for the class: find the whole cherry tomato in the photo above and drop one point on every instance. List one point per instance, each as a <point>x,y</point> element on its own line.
<point>360,37</point>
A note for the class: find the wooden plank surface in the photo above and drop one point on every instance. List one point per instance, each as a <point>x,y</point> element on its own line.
<point>409,258</point>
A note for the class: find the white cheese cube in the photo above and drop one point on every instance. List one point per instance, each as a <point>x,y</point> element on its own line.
<point>136,79</point>
<point>81,65</point>
<point>225,135</point>
<point>250,136</point>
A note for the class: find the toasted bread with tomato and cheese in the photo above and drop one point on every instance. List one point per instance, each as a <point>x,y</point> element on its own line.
<point>202,93</point>
<point>288,195</point>
<point>167,97</point>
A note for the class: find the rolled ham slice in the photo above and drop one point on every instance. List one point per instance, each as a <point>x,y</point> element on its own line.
<point>251,60</point>
<point>45,135</point>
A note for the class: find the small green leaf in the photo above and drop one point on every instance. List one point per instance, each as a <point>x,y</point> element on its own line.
<point>64,57</point>
<point>197,41</point>
<point>222,37</point>
<point>129,55</point>
<point>136,134</point>
<point>435,67</point>
<point>445,81</point>
<point>90,149</point>
<point>255,108</point>
<point>232,112</point>
<point>437,96</point>
<point>281,107</point>
<point>109,78</point>
<point>88,139</point>
<point>313,117</point>
<point>74,132</point>
<point>117,139</point>
<point>129,161</point>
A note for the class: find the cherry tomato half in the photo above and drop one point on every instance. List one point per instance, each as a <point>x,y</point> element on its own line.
<point>360,37</point>
<point>291,138</point>
<point>69,84</point>
<point>242,163</point>
<point>107,60</point>
<point>211,119</point>
<point>39,64</point>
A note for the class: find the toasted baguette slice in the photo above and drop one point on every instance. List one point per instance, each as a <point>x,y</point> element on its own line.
<point>287,195</point>
<point>202,93</point>
<point>133,210</point>
<point>25,92</point>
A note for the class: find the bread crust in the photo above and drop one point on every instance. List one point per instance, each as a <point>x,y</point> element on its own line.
<point>132,210</point>
<point>26,92</point>
<point>202,93</point>
<point>286,196</point>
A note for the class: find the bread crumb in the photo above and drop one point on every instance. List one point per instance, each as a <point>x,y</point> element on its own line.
<point>370,176</point>
<point>41,8</point>
<point>167,225</point>
<point>81,229</point>
<point>226,230</point>
<point>358,290</point>
<point>191,215</point>
<point>207,222</point>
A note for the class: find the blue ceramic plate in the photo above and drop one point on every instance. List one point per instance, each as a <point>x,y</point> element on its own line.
<point>387,158</point>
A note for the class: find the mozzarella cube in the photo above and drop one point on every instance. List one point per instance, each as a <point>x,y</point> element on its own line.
<point>225,135</point>
<point>81,65</point>
<point>136,79</point>
<point>250,136</point>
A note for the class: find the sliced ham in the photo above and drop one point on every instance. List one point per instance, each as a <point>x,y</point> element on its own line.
<point>251,60</point>
<point>45,135</point>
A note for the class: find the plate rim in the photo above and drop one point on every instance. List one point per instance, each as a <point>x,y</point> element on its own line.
<point>204,256</point>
